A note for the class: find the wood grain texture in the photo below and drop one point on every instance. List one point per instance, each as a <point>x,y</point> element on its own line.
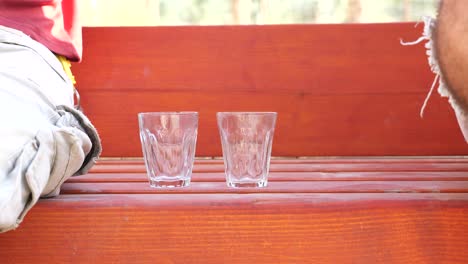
<point>339,90</point>
<point>288,176</point>
<point>310,165</point>
<point>413,211</point>
<point>277,187</point>
<point>247,228</point>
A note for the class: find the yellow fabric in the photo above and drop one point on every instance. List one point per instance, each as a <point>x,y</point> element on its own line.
<point>67,67</point>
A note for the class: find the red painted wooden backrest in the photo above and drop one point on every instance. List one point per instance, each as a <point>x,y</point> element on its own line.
<point>338,89</point>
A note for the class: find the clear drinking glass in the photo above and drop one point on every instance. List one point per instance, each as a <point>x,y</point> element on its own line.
<point>168,140</point>
<point>246,139</point>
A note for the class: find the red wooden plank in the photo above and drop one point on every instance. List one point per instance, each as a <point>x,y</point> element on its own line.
<point>304,167</point>
<point>274,187</point>
<point>314,126</point>
<point>261,58</point>
<point>290,176</point>
<point>338,89</point>
<point>260,228</point>
<point>444,163</point>
<point>309,160</point>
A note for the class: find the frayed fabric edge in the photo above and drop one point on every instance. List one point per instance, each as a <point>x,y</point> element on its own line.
<point>427,35</point>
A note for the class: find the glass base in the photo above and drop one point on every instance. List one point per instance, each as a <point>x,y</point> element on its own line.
<point>259,184</point>
<point>169,183</point>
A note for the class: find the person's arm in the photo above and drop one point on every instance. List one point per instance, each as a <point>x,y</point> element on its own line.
<point>451,44</point>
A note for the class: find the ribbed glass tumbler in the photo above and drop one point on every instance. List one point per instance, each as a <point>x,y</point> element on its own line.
<point>168,140</point>
<point>246,139</point>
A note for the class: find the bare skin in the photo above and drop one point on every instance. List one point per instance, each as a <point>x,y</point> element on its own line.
<point>451,44</point>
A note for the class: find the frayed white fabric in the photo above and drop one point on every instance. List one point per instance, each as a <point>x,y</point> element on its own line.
<point>43,140</point>
<point>427,35</point>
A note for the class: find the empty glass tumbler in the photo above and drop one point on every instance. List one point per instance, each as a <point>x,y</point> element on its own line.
<point>168,140</point>
<point>246,139</point>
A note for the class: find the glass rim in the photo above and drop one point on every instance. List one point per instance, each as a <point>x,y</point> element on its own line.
<point>168,113</point>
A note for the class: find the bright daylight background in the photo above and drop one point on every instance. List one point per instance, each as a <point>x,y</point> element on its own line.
<point>225,12</point>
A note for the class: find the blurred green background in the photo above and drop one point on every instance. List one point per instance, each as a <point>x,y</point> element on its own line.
<point>247,12</point>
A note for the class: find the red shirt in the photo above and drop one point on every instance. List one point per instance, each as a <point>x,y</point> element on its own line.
<point>54,23</point>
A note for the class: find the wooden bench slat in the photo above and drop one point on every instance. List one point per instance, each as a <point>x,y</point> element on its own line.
<point>354,130</point>
<point>289,176</point>
<point>369,166</point>
<point>254,58</point>
<point>309,160</point>
<point>264,228</point>
<point>312,160</point>
<point>275,187</point>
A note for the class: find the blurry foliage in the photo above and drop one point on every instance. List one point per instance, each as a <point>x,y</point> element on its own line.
<point>222,12</point>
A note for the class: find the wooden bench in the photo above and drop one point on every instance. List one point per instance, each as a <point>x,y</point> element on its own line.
<point>358,176</point>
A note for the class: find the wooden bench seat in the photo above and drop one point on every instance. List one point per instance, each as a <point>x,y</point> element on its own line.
<point>333,210</point>
<point>358,176</point>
